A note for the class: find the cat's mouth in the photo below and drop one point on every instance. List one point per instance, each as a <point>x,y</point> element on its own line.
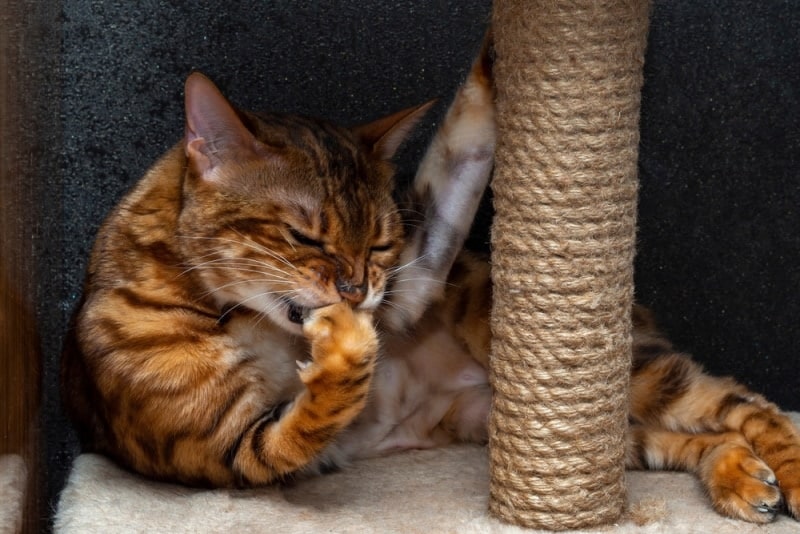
<point>296,313</point>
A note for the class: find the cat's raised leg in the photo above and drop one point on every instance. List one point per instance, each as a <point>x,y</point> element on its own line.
<point>743,444</point>
<point>447,191</point>
<point>337,379</point>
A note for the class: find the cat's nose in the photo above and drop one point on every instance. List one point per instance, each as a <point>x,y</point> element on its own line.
<point>352,293</point>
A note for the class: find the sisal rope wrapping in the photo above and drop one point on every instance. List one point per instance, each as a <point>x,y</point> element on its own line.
<point>568,78</point>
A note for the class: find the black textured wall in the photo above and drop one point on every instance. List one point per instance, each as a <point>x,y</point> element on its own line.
<point>719,243</point>
<point>719,240</point>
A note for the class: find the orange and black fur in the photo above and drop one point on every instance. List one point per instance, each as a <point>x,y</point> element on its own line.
<point>258,306</point>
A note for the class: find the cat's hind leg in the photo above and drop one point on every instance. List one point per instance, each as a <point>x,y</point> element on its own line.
<point>743,445</point>
<point>738,483</point>
<point>446,193</point>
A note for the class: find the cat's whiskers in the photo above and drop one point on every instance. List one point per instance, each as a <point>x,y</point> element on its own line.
<point>264,250</point>
<point>390,292</point>
<point>265,313</point>
<point>274,305</point>
<point>251,281</point>
<point>397,268</point>
<point>395,306</point>
<point>249,243</point>
<point>278,304</point>
<point>239,264</point>
<point>412,211</point>
<point>424,279</point>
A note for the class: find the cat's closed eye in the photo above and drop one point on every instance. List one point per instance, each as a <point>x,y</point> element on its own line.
<point>386,247</point>
<point>303,239</point>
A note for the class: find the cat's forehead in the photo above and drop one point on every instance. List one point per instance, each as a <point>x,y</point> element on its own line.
<point>330,152</point>
<point>327,174</point>
<point>320,141</point>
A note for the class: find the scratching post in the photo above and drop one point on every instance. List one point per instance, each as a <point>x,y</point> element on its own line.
<point>568,78</point>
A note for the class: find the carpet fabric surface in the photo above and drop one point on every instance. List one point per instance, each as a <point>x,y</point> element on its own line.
<point>13,475</point>
<point>440,490</point>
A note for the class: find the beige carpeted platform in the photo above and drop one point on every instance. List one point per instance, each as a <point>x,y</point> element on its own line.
<point>444,490</point>
<point>13,476</point>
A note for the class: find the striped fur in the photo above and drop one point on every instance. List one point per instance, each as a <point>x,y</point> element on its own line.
<point>235,299</point>
<point>237,256</point>
<point>745,451</point>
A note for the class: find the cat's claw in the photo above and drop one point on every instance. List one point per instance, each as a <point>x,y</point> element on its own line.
<point>303,365</point>
<point>765,509</point>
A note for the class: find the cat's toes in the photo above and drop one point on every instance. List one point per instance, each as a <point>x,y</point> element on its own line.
<point>792,499</point>
<point>339,330</point>
<point>328,321</point>
<point>743,486</point>
<point>319,323</point>
<point>786,460</point>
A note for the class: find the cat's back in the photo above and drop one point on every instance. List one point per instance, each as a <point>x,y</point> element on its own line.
<point>137,275</point>
<point>143,221</point>
<point>127,282</point>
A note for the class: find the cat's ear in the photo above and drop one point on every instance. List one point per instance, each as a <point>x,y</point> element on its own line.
<point>214,131</point>
<point>387,134</point>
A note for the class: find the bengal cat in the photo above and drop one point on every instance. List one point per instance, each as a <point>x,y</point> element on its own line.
<point>258,306</point>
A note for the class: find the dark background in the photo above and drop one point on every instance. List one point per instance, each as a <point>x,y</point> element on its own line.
<point>720,182</point>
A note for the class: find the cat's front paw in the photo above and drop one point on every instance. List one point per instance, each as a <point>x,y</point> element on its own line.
<point>341,338</point>
<point>741,485</point>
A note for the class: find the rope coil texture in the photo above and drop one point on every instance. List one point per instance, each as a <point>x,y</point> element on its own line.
<point>568,78</point>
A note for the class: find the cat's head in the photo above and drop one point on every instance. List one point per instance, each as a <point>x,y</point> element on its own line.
<point>283,214</point>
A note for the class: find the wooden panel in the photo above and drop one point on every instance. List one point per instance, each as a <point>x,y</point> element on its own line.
<point>19,356</point>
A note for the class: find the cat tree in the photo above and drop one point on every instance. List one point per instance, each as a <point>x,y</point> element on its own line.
<point>568,94</point>
<point>568,78</point>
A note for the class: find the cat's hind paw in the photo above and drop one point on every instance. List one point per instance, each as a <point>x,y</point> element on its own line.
<point>792,500</point>
<point>788,473</point>
<point>741,485</point>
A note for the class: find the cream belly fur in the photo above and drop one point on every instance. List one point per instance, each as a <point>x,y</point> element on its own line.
<point>419,381</point>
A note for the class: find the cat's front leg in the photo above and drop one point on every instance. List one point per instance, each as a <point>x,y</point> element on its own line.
<point>337,380</point>
<point>772,436</point>
<point>344,346</point>
<point>343,349</point>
